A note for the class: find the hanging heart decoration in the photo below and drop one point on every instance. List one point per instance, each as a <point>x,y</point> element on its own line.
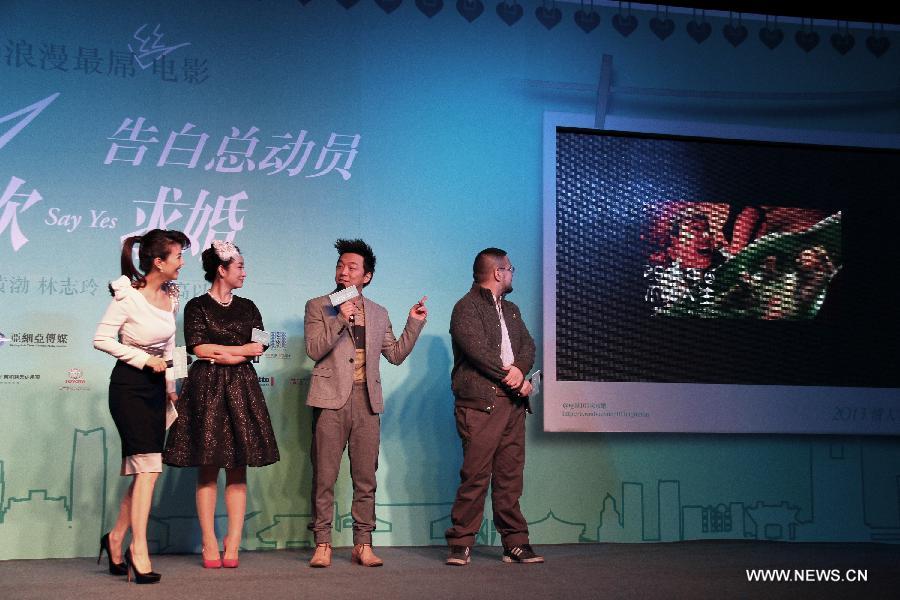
<point>624,24</point>
<point>430,8</point>
<point>389,6</point>
<point>549,17</point>
<point>735,34</point>
<point>662,28</point>
<point>699,31</point>
<point>587,20</point>
<point>877,45</point>
<point>469,9</point>
<point>771,38</point>
<point>509,13</point>
<point>807,40</point>
<point>842,42</point>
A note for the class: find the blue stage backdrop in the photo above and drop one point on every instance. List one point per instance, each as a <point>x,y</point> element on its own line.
<point>285,125</point>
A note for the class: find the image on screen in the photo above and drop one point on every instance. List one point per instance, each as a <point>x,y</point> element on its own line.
<point>718,260</point>
<point>698,260</point>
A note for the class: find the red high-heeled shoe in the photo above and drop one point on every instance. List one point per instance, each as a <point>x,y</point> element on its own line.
<point>230,563</point>
<point>215,563</point>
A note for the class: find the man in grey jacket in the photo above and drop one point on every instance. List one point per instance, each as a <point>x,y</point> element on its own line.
<point>347,343</point>
<point>492,353</point>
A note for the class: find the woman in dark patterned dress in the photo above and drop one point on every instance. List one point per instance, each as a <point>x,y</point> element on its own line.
<point>223,422</point>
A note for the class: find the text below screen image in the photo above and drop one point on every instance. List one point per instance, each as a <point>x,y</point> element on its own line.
<point>707,261</point>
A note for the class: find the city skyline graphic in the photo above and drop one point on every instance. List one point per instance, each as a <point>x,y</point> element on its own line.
<point>73,513</point>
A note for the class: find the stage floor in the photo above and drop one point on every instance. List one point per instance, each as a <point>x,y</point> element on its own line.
<point>701,569</point>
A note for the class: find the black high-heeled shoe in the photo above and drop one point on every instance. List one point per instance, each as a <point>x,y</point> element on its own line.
<point>114,567</point>
<point>151,577</point>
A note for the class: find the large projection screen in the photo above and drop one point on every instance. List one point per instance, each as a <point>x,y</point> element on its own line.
<point>720,280</point>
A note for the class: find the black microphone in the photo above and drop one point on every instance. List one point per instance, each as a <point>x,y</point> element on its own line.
<point>170,363</point>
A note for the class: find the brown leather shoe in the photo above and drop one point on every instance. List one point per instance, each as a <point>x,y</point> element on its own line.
<point>363,555</point>
<point>321,558</point>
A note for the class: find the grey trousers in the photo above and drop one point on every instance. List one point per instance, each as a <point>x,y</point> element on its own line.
<point>354,424</point>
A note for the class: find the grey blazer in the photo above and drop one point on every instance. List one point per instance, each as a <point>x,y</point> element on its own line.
<point>328,342</point>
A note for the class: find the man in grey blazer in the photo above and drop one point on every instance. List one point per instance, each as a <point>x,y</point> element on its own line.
<point>345,394</point>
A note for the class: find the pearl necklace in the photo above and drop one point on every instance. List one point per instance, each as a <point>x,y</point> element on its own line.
<point>219,302</point>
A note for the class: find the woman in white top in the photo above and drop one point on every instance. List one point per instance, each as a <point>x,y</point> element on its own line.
<point>138,328</point>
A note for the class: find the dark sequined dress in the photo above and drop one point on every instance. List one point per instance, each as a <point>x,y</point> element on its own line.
<point>222,416</point>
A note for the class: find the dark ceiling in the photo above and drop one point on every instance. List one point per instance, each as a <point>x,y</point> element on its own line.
<point>886,11</point>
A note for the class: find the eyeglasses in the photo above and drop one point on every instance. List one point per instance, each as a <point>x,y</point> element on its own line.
<point>510,268</point>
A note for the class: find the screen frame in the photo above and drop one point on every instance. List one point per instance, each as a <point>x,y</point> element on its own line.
<point>692,407</point>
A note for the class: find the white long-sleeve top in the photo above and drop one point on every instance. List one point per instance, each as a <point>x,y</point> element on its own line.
<point>133,330</point>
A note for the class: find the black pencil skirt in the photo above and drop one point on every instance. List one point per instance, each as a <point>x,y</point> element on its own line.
<point>137,403</point>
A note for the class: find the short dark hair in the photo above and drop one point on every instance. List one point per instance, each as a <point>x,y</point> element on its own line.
<point>485,262</point>
<point>211,263</point>
<point>358,246</point>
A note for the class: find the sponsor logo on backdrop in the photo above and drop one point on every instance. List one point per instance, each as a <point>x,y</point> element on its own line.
<point>300,380</point>
<point>74,381</point>
<point>240,152</point>
<point>31,339</point>
<point>3,339</point>
<point>267,381</point>
<point>18,378</point>
<point>278,348</point>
